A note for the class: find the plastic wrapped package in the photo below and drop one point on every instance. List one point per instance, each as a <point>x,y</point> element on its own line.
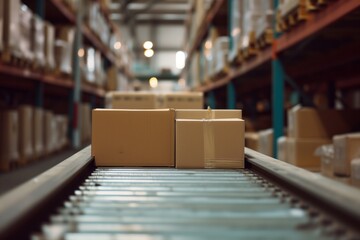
<point>221,51</point>
<point>266,18</point>
<point>11,30</point>
<point>252,13</point>
<point>38,41</point>
<point>49,45</point>
<point>9,143</point>
<point>25,28</point>
<point>326,154</point>
<point>236,15</point>
<point>99,70</point>
<point>64,48</point>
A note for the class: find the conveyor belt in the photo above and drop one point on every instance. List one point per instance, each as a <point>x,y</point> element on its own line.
<point>267,200</point>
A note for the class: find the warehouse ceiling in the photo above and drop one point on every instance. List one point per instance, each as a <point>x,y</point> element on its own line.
<point>150,11</point>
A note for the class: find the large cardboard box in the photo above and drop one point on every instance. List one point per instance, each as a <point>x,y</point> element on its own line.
<point>127,100</point>
<point>212,143</point>
<point>266,142</point>
<point>133,138</point>
<point>38,136</point>
<point>182,100</point>
<point>9,144</point>
<point>346,148</point>
<point>207,114</point>
<point>301,152</point>
<point>355,172</point>
<point>26,118</point>
<point>252,140</point>
<point>305,122</point>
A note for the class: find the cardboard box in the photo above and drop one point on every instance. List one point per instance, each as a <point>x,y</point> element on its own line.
<point>127,100</point>
<point>355,172</point>
<point>282,149</point>
<point>183,100</point>
<point>207,114</point>
<point>252,140</point>
<point>49,132</point>
<point>326,154</point>
<point>304,122</point>
<point>266,142</point>
<point>9,143</point>
<point>346,148</point>
<point>214,143</point>
<point>11,32</point>
<point>38,136</point>
<point>26,118</point>
<point>301,152</point>
<point>133,138</point>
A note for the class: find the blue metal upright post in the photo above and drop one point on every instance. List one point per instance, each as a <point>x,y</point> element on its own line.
<point>277,91</point>
<point>231,96</point>
<point>76,96</point>
<point>211,100</point>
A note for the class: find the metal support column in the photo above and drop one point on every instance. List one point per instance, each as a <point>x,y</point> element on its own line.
<point>231,96</point>
<point>277,91</point>
<point>211,100</point>
<point>76,96</point>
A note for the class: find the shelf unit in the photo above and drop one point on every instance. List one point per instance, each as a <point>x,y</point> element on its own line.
<point>323,51</point>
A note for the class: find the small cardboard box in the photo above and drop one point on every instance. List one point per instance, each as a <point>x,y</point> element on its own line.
<point>305,122</point>
<point>301,152</point>
<point>26,133</point>
<point>207,114</point>
<point>183,100</point>
<point>266,142</point>
<point>355,172</point>
<point>133,138</point>
<point>252,140</point>
<point>346,148</point>
<point>125,100</point>
<point>210,143</point>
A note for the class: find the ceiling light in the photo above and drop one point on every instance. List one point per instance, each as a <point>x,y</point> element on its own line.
<point>81,52</point>
<point>117,45</point>
<point>149,53</point>
<point>153,82</point>
<point>180,60</point>
<point>148,45</point>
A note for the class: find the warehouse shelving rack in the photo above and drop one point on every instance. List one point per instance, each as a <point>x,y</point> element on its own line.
<point>69,90</point>
<point>322,50</point>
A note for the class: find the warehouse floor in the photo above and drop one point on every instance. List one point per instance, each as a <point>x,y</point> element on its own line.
<point>16,177</point>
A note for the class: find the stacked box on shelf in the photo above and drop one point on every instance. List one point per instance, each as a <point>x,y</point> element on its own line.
<point>9,138</point>
<point>99,70</point>
<point>220,53</point>
<point>195,71</point>
<point>26,118</point>
<point>310,128</point>
<point>11,32</point>
<point>49,31</point>
<point>115,81</point>
<point>235,19</point>
<point>25,33</point>
<point>38,135</point>
<point>61,122</point>
<point>265,21</point>
<point>88,65</point>
<point>38,41</point>
<point>49,132</point>
<point>64,49</point>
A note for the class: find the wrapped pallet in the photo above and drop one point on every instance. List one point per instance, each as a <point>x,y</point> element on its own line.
<point>25,37</point>
<point>236,14</point>
<point>64,48</point>
<point>38,136</point>
<point>265,21</point>
<point>9,143</point>
<point>38,41</point>
<point>26,118</point>
<point>11,32</point>
<point>252,12</point>
<point>49,46</point>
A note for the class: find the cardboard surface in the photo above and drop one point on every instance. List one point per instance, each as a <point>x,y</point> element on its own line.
<point>182,100</point>
<point>215,143</point>
<point>304,122</point>
<point>252,140</point>
<point>266,142</point>
<point>125,100</point>
<point>301,152</point>
<point>9,143</point>
<point>346,148</point>
<point>206,114</point>
<point>133,138</point>
<point>26,133</point>
<point>355,172</point>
